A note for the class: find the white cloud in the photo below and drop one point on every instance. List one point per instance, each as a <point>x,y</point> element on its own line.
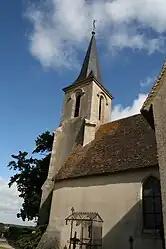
<point>148,81</point>
<point>125,39</point>
<point>59,28</point>
<point>10,204</point>
<point>119,111</point>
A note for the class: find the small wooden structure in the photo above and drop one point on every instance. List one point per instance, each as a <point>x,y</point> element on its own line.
<point>85,231</point>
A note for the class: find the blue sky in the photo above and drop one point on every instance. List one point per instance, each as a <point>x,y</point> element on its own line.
<point>41,53</point>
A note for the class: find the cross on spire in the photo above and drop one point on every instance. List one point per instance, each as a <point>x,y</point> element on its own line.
<point>94,27</point>
<point>72,210</point>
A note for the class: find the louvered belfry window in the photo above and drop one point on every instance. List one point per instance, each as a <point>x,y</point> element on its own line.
<point>101,108</point>
<point>77,105</point>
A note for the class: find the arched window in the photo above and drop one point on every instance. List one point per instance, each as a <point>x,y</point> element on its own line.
<point>77,105</point>
<point>101,108</point>
<point>152,204</point>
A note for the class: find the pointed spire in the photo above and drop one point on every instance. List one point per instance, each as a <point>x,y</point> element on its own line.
<point>90,65</point>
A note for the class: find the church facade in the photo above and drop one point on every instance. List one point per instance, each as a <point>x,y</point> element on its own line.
<point>106,180</point>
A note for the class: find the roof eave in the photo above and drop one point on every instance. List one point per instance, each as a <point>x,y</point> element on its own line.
<point>86,81</point>
<point>147,107</point>
<point>60,179</point>
<point>158,83</point>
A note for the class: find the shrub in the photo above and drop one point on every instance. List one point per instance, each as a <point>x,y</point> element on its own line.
<point>24,238</point>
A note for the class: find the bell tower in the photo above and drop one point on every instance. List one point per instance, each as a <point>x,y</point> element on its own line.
<point>87,104</point>
<point>87,97</point>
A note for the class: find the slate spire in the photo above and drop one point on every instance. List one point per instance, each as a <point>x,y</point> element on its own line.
<point>90,65</point>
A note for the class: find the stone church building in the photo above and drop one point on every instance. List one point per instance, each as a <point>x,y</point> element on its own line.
<point>106,180</point>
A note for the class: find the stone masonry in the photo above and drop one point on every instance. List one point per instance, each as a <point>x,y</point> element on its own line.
<point>159,112</point>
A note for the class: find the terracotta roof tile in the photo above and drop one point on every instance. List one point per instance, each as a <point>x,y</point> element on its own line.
<point>124,144</point>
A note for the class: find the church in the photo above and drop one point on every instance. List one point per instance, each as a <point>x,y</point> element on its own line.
<point>106,182</point>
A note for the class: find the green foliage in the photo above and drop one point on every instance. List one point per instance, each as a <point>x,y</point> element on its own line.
<point>29,241</point>
<point>2,228</point>
<point>24,238</point>
<point>44,143</point>
<point>30,175</point>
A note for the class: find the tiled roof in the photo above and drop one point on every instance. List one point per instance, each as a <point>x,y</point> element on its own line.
<point>155,89</point>
<point>121,145</point>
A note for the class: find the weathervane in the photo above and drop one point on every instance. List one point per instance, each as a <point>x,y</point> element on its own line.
<point>94,26</point>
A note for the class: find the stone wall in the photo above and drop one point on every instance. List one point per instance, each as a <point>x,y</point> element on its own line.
<point>72,132</point>
<point>50,240</point>
<point>89,107</point>
<point>67,138</point>
<point>89,132</point>
<point>159,112</point>
<point>70,101</point>
<point>97,92</point>
<point>118,200</point>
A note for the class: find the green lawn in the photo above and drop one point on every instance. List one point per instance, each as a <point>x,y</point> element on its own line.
<point>1,247</point>
<point>4,247</point>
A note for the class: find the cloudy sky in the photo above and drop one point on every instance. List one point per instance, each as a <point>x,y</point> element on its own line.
<point>42,47</point>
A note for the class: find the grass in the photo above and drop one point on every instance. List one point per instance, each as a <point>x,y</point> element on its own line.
<point>4,247</point>
<point>1,247</point>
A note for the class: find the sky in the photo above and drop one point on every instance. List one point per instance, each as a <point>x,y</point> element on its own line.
<point>42,46</point>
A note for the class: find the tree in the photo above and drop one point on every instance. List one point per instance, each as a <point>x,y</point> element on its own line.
<point>2,228</point>
<point>30,175</point>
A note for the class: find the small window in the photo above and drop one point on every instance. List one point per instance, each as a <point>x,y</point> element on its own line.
<point>152,204</point>
<point>77,106</point>
<point>101,108</point>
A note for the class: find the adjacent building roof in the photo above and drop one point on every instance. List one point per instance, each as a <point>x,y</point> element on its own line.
<point>157,85</point>
<point>121,145</point>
